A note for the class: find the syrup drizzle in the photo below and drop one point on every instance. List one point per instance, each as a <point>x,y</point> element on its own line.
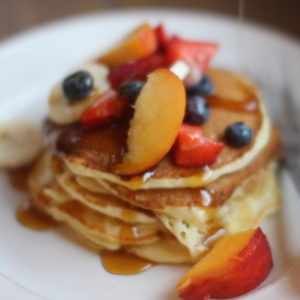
<point>129,215</point>
<point>19,178</point>
<point>129,233</point>
<point>122,263</point>
<point>248,105</point>
<point>29,216</point>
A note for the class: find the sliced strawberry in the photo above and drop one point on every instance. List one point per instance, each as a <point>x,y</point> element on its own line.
<point>192,149</point>
<point>196,54</point>
<point>108,107</point>
<point>136,70</point>
<point>161,36</point>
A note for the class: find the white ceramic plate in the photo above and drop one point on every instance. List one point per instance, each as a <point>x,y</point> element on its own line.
<point>48,265</point>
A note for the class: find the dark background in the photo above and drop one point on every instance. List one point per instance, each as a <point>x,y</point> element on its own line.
<point>17,15</point>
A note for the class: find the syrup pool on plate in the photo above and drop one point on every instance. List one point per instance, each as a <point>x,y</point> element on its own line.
<point>29,216</point>
<point>122,263</point>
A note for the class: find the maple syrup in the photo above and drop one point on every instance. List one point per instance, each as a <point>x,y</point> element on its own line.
<point>208,198</point>
<point>129,233</point>
<point>248,105</point>
<point>29,216</point>
<point>122,263</point>
<point>129,215</point>
<point>19,178</point>
<point>74,139</point>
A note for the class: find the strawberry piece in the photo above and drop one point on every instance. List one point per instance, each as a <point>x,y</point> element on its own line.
<point>161,36</point>
<point>192,149</point>
<point>137,70</point>
<point>196,54</point>
<point>109,106</point>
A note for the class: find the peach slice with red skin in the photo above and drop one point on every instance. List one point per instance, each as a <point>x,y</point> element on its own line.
<point>158,114</point>
<point>140,43</point>
<point>236,265</point>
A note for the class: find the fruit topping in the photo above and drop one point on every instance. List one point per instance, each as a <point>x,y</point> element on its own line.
<point>196,54</point>
<point>137,70</point>
<point>203,87</point>
<point>238,134</point>
<point>78,85</point>
<point>181,69</point>
<point>140,43</point>
<point>161,36</point>
<point>197,110</point>
<point>64,111</point>
<point>158,114</point>
<point>130,90</point>
<point>20,143</point>
<point>192,149</point>
<point>237,264</point>
<point>108,107</point>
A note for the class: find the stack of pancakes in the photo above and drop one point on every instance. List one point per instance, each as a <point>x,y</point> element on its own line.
<point>169,213</point>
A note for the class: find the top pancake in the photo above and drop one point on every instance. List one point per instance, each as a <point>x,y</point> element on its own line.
<point>93,153</point>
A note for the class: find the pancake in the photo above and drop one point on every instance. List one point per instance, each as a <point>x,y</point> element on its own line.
<point>103,203</point>
<point>204,218</point>
<point>214,194</point>
<point>257,197</point>
<point>192,226</point>
<point>94,153</point>
<point>51,198</point>
<point>168,213</point>
<point>90,184</point>
<point>167,251</point>
<point>93,195</point>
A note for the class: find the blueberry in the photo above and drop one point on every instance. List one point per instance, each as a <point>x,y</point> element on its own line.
<point>203,87</point>
<point>238,134</point>
<point>197,110</point>
<point>130,90</point>
<point>78,85</point>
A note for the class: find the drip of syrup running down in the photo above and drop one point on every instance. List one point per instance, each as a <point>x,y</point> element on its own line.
<point>122,263</point>
<point>248,105</point>
<point>27,214</point>
<point>31,217</point>
<point>18,178</point>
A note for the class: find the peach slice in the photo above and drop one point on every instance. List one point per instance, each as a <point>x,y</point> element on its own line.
<point>159,111</point>
<point>237,264</point>
<point>140,43</point>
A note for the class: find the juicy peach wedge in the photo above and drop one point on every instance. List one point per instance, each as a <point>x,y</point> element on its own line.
<point>159,112</point>
<point>237,264</point>
<point>140,43</point>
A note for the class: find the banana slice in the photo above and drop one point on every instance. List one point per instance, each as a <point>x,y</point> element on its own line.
<point>20,144</point>
<point>64,112</point>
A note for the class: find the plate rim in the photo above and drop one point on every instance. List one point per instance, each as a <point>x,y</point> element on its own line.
<point>107,13</point>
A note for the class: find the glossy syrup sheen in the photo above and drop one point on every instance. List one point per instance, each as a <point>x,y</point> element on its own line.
<point>29,216</point>
<point>236,95</point>
<point>76,140</point>
<point>19,178</point>
<point>129,233</point>
<point>122,263</point>
<point>248,105</point>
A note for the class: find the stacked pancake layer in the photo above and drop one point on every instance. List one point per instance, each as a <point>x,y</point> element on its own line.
<point>168,214</point>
